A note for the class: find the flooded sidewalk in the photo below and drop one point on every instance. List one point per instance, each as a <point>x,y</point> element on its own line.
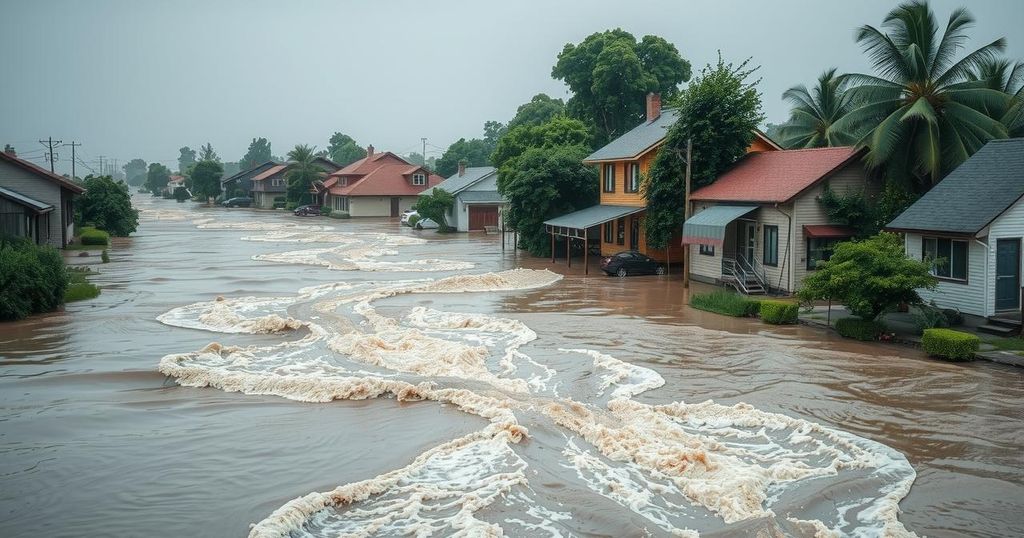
<point>317,377</point>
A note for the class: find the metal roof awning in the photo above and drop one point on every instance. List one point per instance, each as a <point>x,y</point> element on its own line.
<point>708,226</point>
<point>828,231</point>
<point>576,223</point>
<point>31,203</point>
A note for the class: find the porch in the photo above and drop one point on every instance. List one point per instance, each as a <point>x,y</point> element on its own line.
<point>727,248</point>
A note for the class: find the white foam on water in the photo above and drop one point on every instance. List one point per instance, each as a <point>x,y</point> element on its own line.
<point>228,316</point>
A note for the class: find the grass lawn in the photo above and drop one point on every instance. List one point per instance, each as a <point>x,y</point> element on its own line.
<point>79,287</point>
<point>1004,344</point>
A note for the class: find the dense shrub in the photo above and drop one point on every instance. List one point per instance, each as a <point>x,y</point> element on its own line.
<point>339,215</point>
<point>325,211</point>
<point>950,344</point>
<point>953,317</point>
<point>860,329</point>
<point>779,312</point>
<point>92,236</point>
<point>32,279</point>
<point>105,257</point>
<point>726,303</point>
<point>279,202</point>
<point>413,219</point>
<point>290,206</point>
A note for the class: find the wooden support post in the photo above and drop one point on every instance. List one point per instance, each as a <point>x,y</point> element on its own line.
<point>686,212</point>
<point>586,253</point>
<point>568,251</point>
<point>552,246</point>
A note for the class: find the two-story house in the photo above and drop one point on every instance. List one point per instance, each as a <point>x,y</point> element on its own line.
<point>378,185</point>
<point>272,184</point>
<point>622,163</point>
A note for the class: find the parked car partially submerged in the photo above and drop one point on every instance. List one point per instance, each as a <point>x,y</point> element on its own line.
<point>307,211</point>
<point>238,201</point>
<point>406,215</point>
<point>631,262</point>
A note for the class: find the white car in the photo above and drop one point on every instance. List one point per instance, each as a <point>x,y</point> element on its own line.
<point>426,224</point>
<point>406,214</point>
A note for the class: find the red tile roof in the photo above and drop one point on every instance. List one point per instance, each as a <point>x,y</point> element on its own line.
<point>387,180</point>
<point>42,172</point>
<point>775,176</point>
<point>369,164</point>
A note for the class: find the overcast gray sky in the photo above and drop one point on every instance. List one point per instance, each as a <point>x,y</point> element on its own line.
<point>141,79</point>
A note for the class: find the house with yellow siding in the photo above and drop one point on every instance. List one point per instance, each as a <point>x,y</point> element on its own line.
<point>621,163</point>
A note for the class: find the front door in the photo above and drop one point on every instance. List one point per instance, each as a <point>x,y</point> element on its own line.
<point>1007,274</point>
<point>634,233</point>
<point>745,239</point>
<point>395,206</point>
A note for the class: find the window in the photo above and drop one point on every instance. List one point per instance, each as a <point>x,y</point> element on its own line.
<point>419,179</point>
<point>819,249</point>
<point>633,181</point>
<point>771,246</point>
<point>620,231</point>
<point>707,250</point>
<point>339,203</point>
<point>609,177</point>
<point>634,233</point>
<point>609,233</point>
<point>947,256</point>
<point>276,182</point>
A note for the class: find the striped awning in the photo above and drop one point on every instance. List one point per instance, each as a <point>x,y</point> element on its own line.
<point>708,226</point>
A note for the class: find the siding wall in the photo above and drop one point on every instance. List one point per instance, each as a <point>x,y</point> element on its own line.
<point>969,297</point>
<point>377,206</point>
<point>26,183</point>
<point>1009,225</point>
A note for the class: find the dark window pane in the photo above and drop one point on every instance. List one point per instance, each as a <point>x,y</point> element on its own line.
<point>958,261</point>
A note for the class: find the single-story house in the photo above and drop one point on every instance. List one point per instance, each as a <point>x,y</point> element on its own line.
<point>478,204</point>
<point>271,183</point>
<point>173,182</point>
<point>36,203</point>
<point>970,226</point>
<point>378,185</point>
<point>761,226</point>
<point>240,183</point>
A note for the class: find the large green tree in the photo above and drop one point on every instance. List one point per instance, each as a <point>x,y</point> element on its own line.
<point>539,110</point>
<point>719,112</point>
<point>610,73</point>
<point>344,150</point>
<point>157,177</point>
<point>921,115</point>
<point>205,177</point>
<point>814,113</point>
<point>557,131</point>
<point>186,158</point>
<point>435,206</point>
<point>258,153</point>
<point>107,205</point>
<point>206,153</point>
<point>135,172</point>
<point>303,171</point>
<point>475,151</point>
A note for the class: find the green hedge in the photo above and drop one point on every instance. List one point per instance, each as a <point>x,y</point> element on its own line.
<point>32,279</point>
<point>950,344</point>
<point>726,303</point>
<point>779,312</point>
<point>92,236</point>
<point>860,329</point>
<point>339,215</point>
<point>325,211</point>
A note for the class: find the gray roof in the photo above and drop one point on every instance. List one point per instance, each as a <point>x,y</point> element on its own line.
<point>973,195</point>
<point>637,140</point>
<point>456,183</point>
<point>592,216</point>
<point>32,203</point>
<point>249,173</point>
<point>481,196</point>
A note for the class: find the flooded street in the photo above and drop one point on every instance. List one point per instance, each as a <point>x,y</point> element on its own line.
<point>253,372</point>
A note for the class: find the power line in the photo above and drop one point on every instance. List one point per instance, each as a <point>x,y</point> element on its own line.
<point>51,155</point>
<point>73,145</point>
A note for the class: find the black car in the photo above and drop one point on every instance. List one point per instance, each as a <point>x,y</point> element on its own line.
<point>240,201</point>
<point>631,262</point>
<point>307,211</point>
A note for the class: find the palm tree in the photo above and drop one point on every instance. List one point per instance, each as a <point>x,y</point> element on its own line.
<point>922,115</point>
<point>815,112</point>
<point>1007,77</point>
<point>302,173</point>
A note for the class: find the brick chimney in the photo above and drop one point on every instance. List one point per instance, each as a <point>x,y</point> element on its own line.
<point>653,106</point>
<point>369,150</point>
<point>462,168</point>
<point>9,149</point>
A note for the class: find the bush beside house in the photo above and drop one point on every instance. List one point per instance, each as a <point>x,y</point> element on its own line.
<point>779,312</point>
<point>92,236</point>
<point>950,344</point>
<point>33,279</point>
<point>860,329</point>
<point>726,303</point>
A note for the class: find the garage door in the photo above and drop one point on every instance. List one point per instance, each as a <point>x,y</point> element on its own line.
<point>482,215</point>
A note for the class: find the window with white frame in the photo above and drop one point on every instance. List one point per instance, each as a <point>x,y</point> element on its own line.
<point>633,181</point>
<point>706,250</point>
<point>277,182</point>
<point>339,203</point>
<point>419,179</point>
<point>609,177</point>
<point>948,257</point>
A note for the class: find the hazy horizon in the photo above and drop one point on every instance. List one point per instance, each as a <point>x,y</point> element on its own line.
<point>132,80</point>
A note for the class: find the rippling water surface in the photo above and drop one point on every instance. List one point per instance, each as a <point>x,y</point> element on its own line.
<point>248,372</point>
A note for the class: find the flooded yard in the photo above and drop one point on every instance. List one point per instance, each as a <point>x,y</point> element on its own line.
<point>253,372</point>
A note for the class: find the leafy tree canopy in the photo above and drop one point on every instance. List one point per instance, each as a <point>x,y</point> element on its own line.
<point>206,153</point>
<point>558,131</point>
<point>542,183</point>
<point>107,204</point>
<point>719,112</point>
<point>206,176</point>
<point>610,73</point>
<point>135,172</point>
<point>186,158</point>
<point>475,152</point>
<point>344,150</point>
<point>539,110</point>
<point>157,177</point>
<point>303,172</point>
<point>869,277</point>
<point>435,206</point>
<point>258,153</point>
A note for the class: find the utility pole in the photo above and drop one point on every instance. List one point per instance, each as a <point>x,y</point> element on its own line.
<point>686,212</point>
<point>73,145</point>
<point>424,139</point>
<point>100,158</point>
<point>50,154</point>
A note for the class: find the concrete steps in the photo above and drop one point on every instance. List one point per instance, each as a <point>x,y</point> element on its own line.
<point>1001,326</point>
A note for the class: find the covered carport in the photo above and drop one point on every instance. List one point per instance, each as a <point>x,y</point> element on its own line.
<point>575,226</point>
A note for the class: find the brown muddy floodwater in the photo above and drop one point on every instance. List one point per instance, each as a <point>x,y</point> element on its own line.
<point>250,372</point>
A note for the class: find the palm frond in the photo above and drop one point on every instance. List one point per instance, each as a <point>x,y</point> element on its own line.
<point>968,65</point>
<point>953,39</point>
<point>886,57</point>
